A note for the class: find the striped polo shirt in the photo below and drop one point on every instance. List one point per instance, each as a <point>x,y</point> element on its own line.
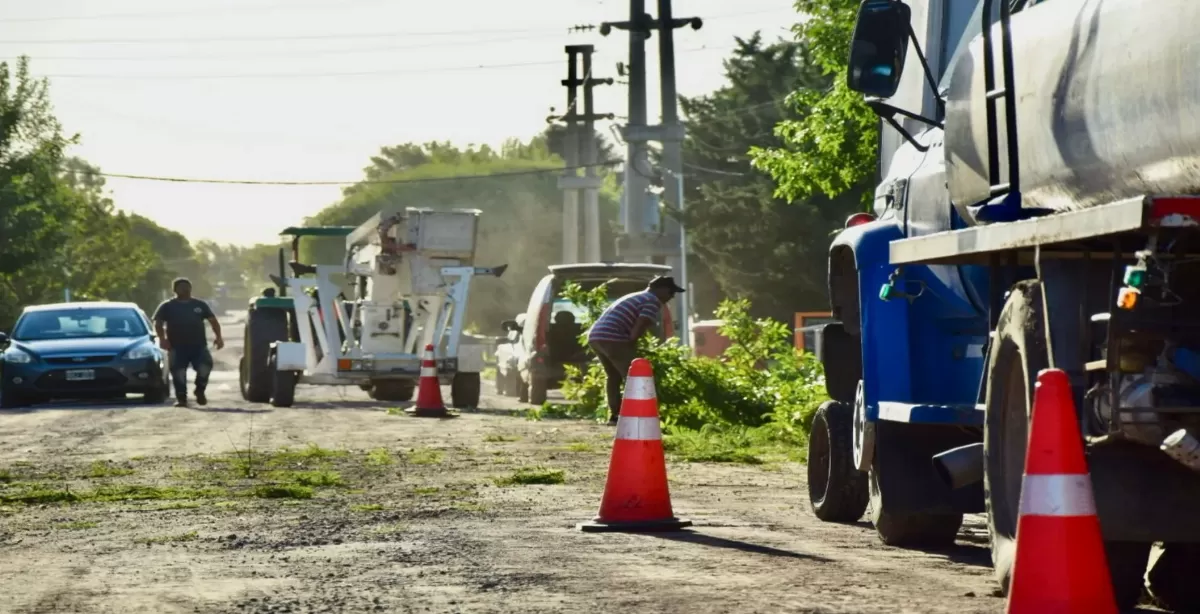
<point>616,323</point>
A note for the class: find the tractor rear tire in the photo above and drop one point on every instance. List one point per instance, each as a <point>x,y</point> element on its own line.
<point>263,327</point>
<point>836,490</point>
<point>465,391</point>
<point>397,391</point>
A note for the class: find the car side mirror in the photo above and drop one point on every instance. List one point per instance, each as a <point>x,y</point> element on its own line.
<point>3,338</point>
<point>879,47</point>
<point>510,325</point>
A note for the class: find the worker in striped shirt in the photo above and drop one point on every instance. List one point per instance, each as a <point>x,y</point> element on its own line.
<point>614,335</point>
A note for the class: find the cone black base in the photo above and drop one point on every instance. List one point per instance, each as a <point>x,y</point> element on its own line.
<point>430,413</point>
<point>640,526</point>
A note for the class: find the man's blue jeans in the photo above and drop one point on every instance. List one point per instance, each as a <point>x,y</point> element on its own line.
<point>198,358</point>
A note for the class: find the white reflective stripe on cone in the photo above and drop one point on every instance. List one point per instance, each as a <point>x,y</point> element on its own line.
<point>640,429</point>
<point>1057,495</point>
<point>639,388</point>
<point>428,372</point>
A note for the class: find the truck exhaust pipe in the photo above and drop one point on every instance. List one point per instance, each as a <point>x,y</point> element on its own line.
<point>962,466</point>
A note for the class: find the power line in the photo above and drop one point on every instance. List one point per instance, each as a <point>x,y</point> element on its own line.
<point>364,73</point>
<point>342,4</point>
<point>286,54</point>
<point>555,170</point>
<point>301,37</point>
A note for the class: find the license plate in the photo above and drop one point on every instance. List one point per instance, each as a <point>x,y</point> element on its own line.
<point>81,375</point>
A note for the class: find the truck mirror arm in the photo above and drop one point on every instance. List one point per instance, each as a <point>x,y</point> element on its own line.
<point>941,104</point>
<point>885,111</point>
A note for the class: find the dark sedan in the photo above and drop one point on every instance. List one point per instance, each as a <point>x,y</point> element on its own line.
<point>81,350</point>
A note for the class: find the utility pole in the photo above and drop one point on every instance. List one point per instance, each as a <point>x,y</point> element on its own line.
<point>669,246</point>
<point>579,148</point>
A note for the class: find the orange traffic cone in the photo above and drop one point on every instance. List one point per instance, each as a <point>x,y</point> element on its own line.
<point>429,390</point>
<point>1060,566</point>
<point>636,498</point>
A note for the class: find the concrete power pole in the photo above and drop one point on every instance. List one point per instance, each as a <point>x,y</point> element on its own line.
<point>668,246</point>
<point>579,149</point>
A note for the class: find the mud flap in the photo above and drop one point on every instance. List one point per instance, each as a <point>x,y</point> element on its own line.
<point>906,475</point>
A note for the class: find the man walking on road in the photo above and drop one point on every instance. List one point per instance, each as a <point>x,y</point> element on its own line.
<point>179,323</point>
<point>615,334</point>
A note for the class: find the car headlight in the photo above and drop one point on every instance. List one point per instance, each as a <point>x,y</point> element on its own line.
<point>142,351</point>
<point>16,356</point>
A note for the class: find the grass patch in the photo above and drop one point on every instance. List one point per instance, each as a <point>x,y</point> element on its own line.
<point>532,475</point>
<point>39,495</point>
<point>578,446</point>
<point>426,490</point>
<point>566,411</point>
<point>500,438</point>
<point>745,446</point>
<point>395,411</point>
<point>169,539</point>
<point>78,525</point>
<point>424,456</point>
<point>367,507</point>
<point>178,505</point>
<point>105,469</point>
<point>6,476</point>
<point>249,463</point>
<point>380,457</point>
<point>317,478</point>
<point>468,506</point>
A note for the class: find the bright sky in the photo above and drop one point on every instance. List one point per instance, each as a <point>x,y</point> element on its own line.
<point>253,90</point>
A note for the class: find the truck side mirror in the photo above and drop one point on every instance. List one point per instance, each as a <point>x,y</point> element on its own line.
<point>510,325</point>
<point>3,338</point>
<point>879,47</point>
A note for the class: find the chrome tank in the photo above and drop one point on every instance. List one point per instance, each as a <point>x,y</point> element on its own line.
<point>1108,105</point>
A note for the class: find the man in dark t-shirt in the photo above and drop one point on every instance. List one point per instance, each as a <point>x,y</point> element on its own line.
<point>179,323</point>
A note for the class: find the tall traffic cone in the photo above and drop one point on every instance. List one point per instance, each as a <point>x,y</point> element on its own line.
<point>429,390</point>
<point>636,498</point>
<point>1060,566</point>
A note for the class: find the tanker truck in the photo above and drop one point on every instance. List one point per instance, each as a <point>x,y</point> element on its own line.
<point>1038,206</point>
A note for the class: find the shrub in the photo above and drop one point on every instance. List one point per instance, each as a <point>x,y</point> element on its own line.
<point>762,388</point>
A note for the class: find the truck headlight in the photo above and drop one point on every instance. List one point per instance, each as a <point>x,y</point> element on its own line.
<point>18,357</point>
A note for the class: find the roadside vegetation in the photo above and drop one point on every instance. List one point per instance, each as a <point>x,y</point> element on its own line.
<point>752,405</point>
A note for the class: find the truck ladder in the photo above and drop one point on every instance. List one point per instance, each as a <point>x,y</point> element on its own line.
<point>1004,204</point>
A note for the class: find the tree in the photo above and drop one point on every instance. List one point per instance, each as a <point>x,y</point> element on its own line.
<point>832,149</point>
<point>516,189</point>
<point>756,245</point>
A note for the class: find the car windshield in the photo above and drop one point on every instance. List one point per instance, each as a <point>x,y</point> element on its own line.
<point>78,323</point>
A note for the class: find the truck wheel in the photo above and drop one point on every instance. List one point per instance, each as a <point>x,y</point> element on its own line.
<point>397,391</point>
<point>263,327</point>
<point>836,490</point>
<point>1172,578</point>
<point>908,529</point>
<point>1019,351</point>
<point>537,391</point>
<point>841,357</point>
<point>465,390</point>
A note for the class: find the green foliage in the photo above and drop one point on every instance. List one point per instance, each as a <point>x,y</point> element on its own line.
<point>761,390</point>
<point>832,148</point>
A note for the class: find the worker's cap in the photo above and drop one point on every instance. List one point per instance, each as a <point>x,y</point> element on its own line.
<point>180,280</point>
<point>665,282</point>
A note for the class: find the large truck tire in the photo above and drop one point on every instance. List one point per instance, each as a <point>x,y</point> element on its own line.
<point>900,528</point>
<point>841,357</point>
<point>1017,354</point>
<point>396,391</point>
<point>1172,579</point>
<point>465,391</point>
<point>836,490</point>
<point>256,377</point>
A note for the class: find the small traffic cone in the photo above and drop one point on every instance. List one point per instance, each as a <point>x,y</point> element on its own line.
<point>636,497</point>
<point>429,390</point>
<point>1060,566</point>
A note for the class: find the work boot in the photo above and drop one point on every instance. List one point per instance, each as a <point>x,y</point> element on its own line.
<point>200,398</point>
<point>181,402</point>
<point>612,419</point>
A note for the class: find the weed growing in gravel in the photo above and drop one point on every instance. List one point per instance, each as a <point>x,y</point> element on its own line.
<point>578,446</point>
<point>178,505</point>
<point>316,478</point>
<point>395,411</point>
<point>424,456</point>
<point>6,476</point>
<point>367,507</point>
<point>105,469</point>
<point>380,457</point>
<point>532,475</point>
<point>168,539</point>
<point>495,438</point>
<point>282,491</point>
<point>78,525</point>
<point>426,490</point>
<point>468,506</point>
